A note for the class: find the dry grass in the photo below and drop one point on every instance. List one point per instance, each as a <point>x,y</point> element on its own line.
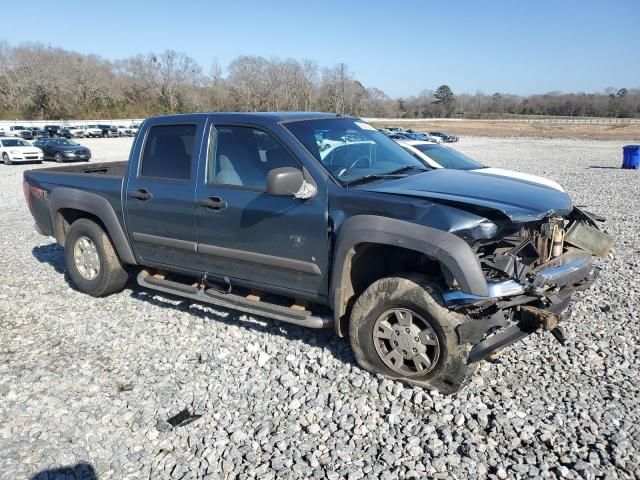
<point>507,129</point>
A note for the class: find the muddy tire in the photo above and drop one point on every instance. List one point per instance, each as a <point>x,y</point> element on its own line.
<point>428,354</point>
<point>91,261</point>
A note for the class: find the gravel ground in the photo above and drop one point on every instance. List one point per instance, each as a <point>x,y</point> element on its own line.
<point>88,384</point>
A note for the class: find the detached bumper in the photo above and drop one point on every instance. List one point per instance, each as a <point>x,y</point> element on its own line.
<point>521,307</point>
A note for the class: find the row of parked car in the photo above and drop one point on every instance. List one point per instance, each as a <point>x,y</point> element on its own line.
<point>18,150</point>
<point>69,131</point>
<point>399,133</point>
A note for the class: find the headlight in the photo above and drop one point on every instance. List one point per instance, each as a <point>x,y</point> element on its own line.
<point>14,152</point>
<point>69,154</point>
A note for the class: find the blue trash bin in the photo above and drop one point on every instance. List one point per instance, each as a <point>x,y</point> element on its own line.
<point>631,156</point>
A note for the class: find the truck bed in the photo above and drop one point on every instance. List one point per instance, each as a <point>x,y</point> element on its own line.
<point>108,169</point>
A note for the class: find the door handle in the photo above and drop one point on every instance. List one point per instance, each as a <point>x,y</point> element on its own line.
<point>141,194</point>
<point>213,203</point>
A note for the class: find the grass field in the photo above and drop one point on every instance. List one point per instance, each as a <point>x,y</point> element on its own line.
<point>489,128</point>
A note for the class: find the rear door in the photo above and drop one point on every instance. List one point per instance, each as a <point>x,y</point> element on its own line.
<point>160,194</point>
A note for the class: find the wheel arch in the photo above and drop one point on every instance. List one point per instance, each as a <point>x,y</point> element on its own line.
<point>387,237</point>
<point>69,205</point>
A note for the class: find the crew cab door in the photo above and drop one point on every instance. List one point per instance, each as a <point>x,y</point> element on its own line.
<point>159,194</point>
<point>252,237</point>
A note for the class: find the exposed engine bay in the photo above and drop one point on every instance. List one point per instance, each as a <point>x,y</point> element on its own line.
<point>531,273</point>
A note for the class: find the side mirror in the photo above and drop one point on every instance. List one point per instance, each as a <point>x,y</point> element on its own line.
<point>284,181</point>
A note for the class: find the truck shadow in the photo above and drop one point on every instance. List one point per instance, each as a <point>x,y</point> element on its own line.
<point>80,471</point>
<point>53,254</point>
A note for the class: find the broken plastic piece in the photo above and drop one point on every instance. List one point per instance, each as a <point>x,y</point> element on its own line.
<point>182,418</point>
<point>307,190</point>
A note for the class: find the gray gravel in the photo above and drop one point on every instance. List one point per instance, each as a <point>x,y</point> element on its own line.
<point>89,384</point>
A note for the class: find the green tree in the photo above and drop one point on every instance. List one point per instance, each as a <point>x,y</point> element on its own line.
<point>444,96</point>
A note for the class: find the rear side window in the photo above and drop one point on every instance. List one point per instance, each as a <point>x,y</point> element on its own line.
<point>168,152</point>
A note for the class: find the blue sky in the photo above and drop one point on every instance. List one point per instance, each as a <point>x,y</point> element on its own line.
<point>399,47</point>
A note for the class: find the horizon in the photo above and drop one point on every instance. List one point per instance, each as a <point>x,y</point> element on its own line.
<point>582,49</point>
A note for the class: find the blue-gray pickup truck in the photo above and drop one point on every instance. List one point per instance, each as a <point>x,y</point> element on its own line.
<point>427,272</point>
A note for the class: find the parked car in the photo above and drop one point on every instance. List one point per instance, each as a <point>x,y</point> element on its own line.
<point>108,130</point>
<point>63,150</point>
<point>14,150</point>
<point>26,134</point>
<point>72,132</point>
<point>92,131</point>
<point>53,130</point>
<point>124,131</point>
<point>439,156</point>
<point>15,131</point>
<point>446,137</point>
<point>427,271</point>
<point>38,132</point>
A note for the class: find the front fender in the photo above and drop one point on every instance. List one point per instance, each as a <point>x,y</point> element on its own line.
<point>452,251</point>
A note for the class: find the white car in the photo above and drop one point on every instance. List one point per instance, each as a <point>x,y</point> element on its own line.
<point>76,131</point>
<point>15,131</point>
<point>124,131</point>
<point>14,150</point>
<point>92,131</point>
<point>439,156</point>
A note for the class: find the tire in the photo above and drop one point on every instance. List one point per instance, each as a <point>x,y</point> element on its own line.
<point>58,157</point>
<point>6,159</point>
<point>111,276</point>
<point>448,370</point>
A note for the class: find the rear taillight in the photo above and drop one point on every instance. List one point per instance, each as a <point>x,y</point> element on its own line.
<point>27,195</point>
<point>30,191</point>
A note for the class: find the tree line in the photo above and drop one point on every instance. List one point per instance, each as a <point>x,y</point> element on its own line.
<point>43,82</point>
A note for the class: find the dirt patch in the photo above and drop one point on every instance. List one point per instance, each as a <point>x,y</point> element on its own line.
<point>534,130</point>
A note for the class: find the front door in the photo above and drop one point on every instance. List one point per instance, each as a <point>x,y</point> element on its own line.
<point>160,195</point>
<point>245,233</point>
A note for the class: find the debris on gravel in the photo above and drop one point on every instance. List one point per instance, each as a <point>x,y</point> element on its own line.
<point>92,385</point>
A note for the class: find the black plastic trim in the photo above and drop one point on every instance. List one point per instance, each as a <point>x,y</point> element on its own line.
<point>94,204</point>
<point>452,251</point>
<point>164,241</point>
<point>254,257</point>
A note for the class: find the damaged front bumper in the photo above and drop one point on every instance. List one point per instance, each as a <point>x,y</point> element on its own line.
<point>517,307</point>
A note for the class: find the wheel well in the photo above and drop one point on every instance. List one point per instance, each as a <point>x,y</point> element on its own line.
<point>367,262</point>
<point>66,216</point>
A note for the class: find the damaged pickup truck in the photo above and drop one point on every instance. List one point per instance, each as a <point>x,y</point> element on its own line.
<point>426,271</point>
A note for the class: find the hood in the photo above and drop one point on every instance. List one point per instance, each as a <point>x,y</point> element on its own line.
<point>522,176</point>
<point>518,199</point>
<point>70,148</point>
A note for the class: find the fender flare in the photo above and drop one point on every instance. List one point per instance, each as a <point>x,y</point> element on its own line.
<point>445,247</point>
<point>97,206</point>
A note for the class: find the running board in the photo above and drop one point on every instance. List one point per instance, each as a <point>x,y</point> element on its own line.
<point>234,302</point>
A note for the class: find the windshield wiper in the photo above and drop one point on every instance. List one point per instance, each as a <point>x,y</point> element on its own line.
<point>400,172</point>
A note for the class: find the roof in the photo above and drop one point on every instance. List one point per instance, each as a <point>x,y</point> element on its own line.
<point>260,116</point>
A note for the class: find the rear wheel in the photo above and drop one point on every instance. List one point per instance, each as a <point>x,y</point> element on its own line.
<point>91,260</point>
<point>399,327</point>
<point>6,159</point>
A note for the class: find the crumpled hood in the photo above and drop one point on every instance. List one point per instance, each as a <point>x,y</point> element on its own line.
<point>519,200</point>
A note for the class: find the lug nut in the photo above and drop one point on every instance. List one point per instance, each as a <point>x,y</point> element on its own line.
<point>395,343</point>
<point>407,330</point>
<point>415,350</point>
<point>416,339</point>
<point>404,352</point>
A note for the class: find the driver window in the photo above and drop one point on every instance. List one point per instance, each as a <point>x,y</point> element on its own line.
<point>243,156</point>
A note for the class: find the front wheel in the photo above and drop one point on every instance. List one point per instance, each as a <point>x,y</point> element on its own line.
<point>58,157</point>
<point>6,159</point>
<point>400,328</point>
<point>92,262</point>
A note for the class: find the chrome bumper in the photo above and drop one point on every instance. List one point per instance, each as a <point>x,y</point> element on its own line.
<point>572,268</point>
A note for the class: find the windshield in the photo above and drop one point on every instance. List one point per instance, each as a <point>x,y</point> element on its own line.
<point>448,157</point>
<point>15,143</point>
<point>351,149</point>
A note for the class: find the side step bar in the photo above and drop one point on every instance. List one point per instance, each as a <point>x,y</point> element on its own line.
<point>234,302</point>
